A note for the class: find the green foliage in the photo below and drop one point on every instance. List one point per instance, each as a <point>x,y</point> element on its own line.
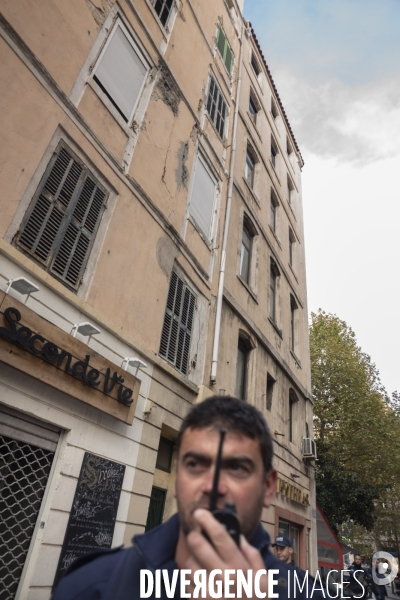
<point>341,494</point>
<point>356,426</point>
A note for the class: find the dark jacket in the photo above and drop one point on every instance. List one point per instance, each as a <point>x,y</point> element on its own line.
<point>358,576</point>
<point>115,574</point>
<point>380,591</point>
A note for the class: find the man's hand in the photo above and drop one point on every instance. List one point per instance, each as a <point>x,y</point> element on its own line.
<point>222,553</point>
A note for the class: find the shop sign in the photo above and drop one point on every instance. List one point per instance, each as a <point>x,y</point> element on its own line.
<point>58,357</point>
<point>292,492</point>
<point>32,345</point>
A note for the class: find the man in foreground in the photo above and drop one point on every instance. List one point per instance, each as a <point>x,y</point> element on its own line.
<point>247,479</point>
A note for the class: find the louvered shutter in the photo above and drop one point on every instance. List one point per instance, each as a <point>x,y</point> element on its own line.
<point>178,324</point>
<point>202,200</point>
<point>121,72</point>
<point>60,225</point>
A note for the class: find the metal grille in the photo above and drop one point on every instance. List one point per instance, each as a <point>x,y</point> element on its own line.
<point>178,324</point>
<point>24,472</point>
<point>59,227</point>
<point>156,508</point>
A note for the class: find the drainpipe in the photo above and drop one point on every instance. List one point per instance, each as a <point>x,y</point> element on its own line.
<point>214,364</point>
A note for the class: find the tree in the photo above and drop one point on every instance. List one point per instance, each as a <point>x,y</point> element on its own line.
<point>356,426</point>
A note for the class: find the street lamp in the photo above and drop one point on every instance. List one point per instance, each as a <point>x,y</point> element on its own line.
<point>134,362</point>
<point>23,286</point>
<point>86,329</point>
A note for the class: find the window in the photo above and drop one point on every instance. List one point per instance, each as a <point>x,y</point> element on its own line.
<point>273,206</point>
<point>120,71</point>
<point>255,65</point>
<point>163,9</point>
<point>253,109</point>
<point>250,167</point>
<point>274,152</point>
<point>62,220</point>
<point>290,190</point>
<point>270,390</point>
<point>292,242</point>
<point>164,454</point>
<point>216,107</point>
<point>245,253</point>
<point>274,110</point>
<point>293,308</point>
<point>241,368</point>
<point>292,401</point>
<point>203,195</point>
<point>274,274</point>
<point>224,50</point>
<point>289,148</point>
<point>178,324</point>
<point>156,507</point>
<point>293,533</point>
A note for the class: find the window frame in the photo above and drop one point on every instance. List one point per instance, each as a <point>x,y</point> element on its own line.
<point>256,109</point>
<point>154,2</point>
<point>250,154</point>
<point>274,152</point>
<point>170,445</point>
<point>273,289</point>
<point>270,391</point>
<point>274,109</point>
<point>293,399</point>
<point>213,80</point>
<point>290,188</point>
<point>200,157</point>
<point>99,88</point>
<point>255,64</point>
<point>177,318</point>
<point>227,46</point>
<point>68,217</point>
<point>273,213</point>
<point>246,230</point>
<point>292,242</point>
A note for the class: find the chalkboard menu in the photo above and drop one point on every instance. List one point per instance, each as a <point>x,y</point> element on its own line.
<point>94,510</point>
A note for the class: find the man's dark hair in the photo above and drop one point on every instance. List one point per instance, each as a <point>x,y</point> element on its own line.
<point>233,415</point>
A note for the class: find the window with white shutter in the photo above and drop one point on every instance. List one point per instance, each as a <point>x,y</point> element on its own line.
<point>203,196</point>
<point>121,71</point>
<point>61,222</point>
<point>178,324</point>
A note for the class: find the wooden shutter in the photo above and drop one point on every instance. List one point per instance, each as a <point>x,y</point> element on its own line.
<point>121,72</point>
<point>224,49</point>
<point>202,200</point>
<point>60,225</point>
<point>178,323</point>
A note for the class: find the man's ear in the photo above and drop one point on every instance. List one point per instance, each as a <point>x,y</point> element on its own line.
<point>270,487</point>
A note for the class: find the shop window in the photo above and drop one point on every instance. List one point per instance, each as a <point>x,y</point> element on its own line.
<point>216,107</point>
<point>164,454</point>
<point>121,71</point>
<point>293,533</point>
<point>224,49</point>
<point>178,324</point>
<point>62,220</point>
<point>156,508</point>
<point>26,456</point>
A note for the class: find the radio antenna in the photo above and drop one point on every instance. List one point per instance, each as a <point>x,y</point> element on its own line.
<point>214,491</point>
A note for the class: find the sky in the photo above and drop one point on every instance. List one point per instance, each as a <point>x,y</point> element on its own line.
<point>336,65</point>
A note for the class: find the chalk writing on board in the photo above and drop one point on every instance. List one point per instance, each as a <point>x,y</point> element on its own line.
<point>94,510</point>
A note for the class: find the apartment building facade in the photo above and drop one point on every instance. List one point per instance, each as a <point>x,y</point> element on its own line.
<point>151,254</point>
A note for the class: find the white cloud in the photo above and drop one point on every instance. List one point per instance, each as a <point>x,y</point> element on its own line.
<point>357,124</point>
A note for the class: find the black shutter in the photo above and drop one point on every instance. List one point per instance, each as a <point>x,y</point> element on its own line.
<point>156,508</point>
<point>178,323</point>
<point>62,220</point>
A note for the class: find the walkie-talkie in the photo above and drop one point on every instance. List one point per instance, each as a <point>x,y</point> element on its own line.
<point>227,516</point>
